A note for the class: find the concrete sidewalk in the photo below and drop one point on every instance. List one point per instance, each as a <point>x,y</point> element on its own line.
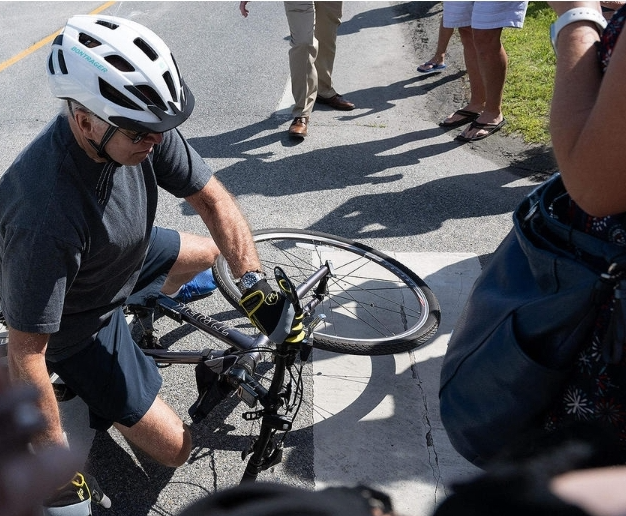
<point>377,418</point>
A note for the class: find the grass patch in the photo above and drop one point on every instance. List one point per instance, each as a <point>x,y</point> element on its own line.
<point>530,76</point>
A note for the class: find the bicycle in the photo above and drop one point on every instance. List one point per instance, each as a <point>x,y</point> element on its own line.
<point>355,300</point>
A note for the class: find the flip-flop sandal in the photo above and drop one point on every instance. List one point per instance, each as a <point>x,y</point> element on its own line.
<point>468,116</point>
<point>490,128</point>
<point>430,67</point>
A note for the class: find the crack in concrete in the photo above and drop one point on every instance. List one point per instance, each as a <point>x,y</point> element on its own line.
<point>433,457</point>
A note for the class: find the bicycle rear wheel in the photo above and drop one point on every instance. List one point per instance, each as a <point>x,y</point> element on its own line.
<point>374,305</point>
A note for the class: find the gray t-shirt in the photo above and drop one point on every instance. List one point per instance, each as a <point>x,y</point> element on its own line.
<point>73,237</point>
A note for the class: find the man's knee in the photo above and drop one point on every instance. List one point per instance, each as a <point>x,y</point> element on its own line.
<point>487,40</point>
<point>180,455</point>
<point>161,434</point>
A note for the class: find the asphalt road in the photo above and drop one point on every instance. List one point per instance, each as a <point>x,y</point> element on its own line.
<point>383,174</point>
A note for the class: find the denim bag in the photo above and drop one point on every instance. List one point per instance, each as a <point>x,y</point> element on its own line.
<point>528,314</point>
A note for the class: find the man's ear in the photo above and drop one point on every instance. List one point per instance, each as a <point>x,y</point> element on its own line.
<point>85,123</point>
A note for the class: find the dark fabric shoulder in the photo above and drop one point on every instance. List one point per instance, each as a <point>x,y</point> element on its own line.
<point>179,169</point>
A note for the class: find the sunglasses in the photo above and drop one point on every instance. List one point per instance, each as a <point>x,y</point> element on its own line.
<point>135,136</point>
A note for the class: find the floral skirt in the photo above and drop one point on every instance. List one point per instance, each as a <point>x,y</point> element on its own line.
<point>596,390</point>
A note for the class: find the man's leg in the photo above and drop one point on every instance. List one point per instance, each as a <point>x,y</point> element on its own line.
<point>492,61</point>
<point>476,102</point>
<point>327,21</point>
<point>302,55</point>
<point>196,254</point>
<point>161,434</point>
<point>120,386</point>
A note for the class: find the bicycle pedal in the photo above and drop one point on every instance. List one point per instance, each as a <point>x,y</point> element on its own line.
<point>149,341</point>
<point>252,416</point>
<point>278,422</point>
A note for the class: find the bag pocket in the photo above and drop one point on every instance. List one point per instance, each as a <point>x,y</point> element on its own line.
<point>494,393</point>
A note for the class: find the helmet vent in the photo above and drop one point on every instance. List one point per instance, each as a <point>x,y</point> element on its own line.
<point>62,64</point>
<point>88,40</point>
<point>107,24</point>
<point>148,95</point>
<point>167,77</point>
<point>110,93</point>
<point>120,63</point>
<point>146,49</point>
<point>175,65</point>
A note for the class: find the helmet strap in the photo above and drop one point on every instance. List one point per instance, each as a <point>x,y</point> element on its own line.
<point>108,134</point>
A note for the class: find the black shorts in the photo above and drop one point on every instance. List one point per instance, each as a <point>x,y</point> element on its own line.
<point>112,375</point>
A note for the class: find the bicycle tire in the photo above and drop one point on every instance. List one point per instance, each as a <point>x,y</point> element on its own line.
<point>395,309</point>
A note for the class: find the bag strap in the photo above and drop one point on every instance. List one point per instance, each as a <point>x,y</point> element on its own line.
<point>539,204</point>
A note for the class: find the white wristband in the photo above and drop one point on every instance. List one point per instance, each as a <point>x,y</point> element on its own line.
<point>577,14</point>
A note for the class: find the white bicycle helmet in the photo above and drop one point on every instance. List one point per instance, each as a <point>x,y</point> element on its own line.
<point>121,71</point>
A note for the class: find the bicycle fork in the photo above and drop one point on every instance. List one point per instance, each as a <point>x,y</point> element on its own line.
<point>266,452</point>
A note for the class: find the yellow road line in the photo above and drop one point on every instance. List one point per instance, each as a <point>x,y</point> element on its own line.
<point>45,41</point>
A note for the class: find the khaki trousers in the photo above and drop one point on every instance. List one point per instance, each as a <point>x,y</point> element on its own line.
<point>313,27</point>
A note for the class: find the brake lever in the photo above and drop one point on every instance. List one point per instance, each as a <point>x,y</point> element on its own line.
<point>288,289</point>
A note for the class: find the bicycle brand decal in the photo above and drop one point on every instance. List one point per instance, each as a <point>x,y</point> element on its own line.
<point>207,321</point>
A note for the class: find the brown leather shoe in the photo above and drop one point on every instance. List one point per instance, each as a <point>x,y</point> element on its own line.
<point>336,102</point>
<point>299,126</point>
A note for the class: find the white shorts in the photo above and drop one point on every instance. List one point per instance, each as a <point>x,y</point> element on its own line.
<point>484,15</point>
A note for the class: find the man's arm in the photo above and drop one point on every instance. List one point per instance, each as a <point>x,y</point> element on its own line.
<point>27,364</point>
<point>228,226</point>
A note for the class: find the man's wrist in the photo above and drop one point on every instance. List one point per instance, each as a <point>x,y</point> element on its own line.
<point>249,279</point>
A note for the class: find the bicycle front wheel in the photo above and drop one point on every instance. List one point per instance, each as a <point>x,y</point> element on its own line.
<point>374,305</point>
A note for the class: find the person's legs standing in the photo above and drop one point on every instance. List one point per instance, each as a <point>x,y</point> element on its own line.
<point>459,15</point>
<point>438,61</point>
<point>488,19</point>
<point>492,65</point>
<point>327,21</point>
<point>302,56</point>
<point>472,66</point>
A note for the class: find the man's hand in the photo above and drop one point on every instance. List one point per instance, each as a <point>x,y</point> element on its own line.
<point>243,9</point>
<point>272,313</point>
<point>75,497</point>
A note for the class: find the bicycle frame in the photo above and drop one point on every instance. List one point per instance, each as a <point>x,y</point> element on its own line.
<point>180,312</point>
<point>265,453</point>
